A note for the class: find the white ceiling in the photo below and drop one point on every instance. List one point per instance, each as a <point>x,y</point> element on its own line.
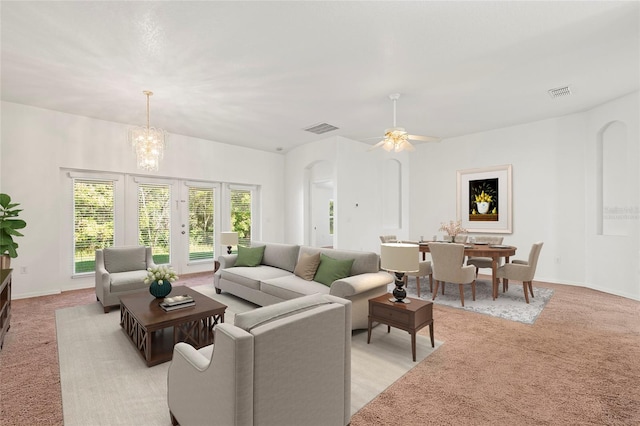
<point>256,73</point>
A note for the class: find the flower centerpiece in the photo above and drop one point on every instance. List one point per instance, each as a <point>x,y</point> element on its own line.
<point>159,279</point>
<point>452,229</point>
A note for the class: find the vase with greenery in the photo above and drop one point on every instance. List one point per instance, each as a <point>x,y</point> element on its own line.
<point>9,225</point>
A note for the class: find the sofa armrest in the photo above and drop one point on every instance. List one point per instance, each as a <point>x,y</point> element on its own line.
<point>227,260</point>
<point>357,284</point>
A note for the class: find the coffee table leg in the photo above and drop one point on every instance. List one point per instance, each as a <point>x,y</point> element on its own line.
<point>369,333</point>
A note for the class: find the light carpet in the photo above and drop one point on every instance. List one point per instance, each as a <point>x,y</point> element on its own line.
<point>104,380</point>
<point>510,305</point>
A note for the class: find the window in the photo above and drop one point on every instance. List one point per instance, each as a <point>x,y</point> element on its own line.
<point>93,215</point>
<point>154,220</point>
<point>241,215</point>
<point>201,223</point>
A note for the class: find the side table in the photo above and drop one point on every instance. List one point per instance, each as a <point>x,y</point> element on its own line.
<point>410,317</point>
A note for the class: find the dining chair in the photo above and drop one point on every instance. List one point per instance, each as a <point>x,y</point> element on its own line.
<point>460,239</point>
<point>388,239</point>
<point>484,262</point>
<point>424,270</point>
<point>521,270</point>
<point>448,266</point>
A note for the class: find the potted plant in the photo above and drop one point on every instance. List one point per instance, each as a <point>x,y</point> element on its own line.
<point>9,225</point>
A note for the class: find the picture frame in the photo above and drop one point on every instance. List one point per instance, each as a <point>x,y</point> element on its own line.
<point>484,199</point>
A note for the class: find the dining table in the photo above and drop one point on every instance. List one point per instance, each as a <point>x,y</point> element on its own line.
<point>494,251</point>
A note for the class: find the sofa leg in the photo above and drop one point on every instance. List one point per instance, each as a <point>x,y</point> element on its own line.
<point>218,291</point>
<point>107,309</point>
<point>174,421</point>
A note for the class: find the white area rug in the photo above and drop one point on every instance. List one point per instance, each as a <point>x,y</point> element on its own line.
<point>510,305</point>
<point>105,381</point>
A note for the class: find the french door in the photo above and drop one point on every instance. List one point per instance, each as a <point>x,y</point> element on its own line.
<point>178,219</point>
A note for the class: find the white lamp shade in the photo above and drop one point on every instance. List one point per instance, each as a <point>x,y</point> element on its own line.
<point>399,257</point>
<point>229,238</point>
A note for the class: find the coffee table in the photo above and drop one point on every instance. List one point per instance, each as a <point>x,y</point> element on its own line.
<point>154,332</point>
<point>410,317</point>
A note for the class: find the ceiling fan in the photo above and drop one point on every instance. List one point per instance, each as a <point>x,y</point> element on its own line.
<point>396,138</point>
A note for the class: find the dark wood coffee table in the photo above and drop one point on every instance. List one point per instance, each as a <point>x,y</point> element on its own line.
<point>410,317</point>
<point>154,332</point>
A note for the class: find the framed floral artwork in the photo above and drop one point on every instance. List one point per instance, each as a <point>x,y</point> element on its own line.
<point>484,199</point>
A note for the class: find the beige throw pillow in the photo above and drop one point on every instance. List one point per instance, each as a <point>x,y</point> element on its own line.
<point>307,266</point>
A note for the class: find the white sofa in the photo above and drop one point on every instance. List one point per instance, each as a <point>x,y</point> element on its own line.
<point>273,280</point>
<point>238,381</point>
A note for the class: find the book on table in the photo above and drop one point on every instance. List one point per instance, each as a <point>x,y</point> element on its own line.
<point>177,300</point>
<point>168,308</point>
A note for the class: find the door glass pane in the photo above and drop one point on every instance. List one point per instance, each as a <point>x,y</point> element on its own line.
<point>201,229</point>
<point>241,215</point>
<point>93,214</point>
<point>154,220</point>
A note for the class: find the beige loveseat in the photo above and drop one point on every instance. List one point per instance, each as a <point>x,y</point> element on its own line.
<point>239,382</point>
<point>274,280</point>
<point>120,271</point>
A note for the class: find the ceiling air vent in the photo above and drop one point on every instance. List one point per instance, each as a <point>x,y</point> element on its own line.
<point>321,128</point>
<point>559,92</point>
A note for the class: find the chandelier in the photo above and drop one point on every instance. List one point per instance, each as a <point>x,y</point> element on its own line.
<point>396,139</point>
<point>148,143</point>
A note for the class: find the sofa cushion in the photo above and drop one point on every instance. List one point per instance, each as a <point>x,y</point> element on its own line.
<point>331,269</point>
<point>121,259</point>
<point>307,266</point>
<point>364,261</point>
<point>125,281</point>
<point>283,256</point>
<point>291,286</point>
<point>250,276</point>
<point>249,256</point>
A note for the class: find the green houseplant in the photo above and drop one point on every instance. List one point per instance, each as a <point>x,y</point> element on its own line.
<point>9,225</point>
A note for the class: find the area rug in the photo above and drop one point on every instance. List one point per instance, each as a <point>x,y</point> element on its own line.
<point>104,380</point>
<point>510,305</point>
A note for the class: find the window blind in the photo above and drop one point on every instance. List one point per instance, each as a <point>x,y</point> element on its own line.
<point>93,215</point>
<point>154,220</point>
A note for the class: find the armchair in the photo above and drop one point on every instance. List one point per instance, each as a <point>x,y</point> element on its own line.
<point>120,271</point>
<point>284,364</point>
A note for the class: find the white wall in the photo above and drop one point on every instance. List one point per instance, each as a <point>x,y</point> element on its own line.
<point>358,190</point>
<point>37,143</point>
<point>553,194</point>
<point>613,261</point>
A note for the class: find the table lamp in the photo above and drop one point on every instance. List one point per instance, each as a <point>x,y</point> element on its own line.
<point>399,258</point>
<point>229,239</point>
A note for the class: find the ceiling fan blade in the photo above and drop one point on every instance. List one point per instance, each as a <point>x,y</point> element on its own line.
<point>408,146</point>
<point>376,145</point>
<point>423,138</point>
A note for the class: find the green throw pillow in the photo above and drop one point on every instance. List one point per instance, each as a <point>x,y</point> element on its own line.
<point>249,256</point>
<point>331,269</point>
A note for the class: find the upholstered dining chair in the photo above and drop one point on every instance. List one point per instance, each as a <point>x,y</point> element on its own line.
<point>424,270</point>
<point>448,266</point>
<point>484,262</point>
<point>521,270</point>
<point>388,239</point>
